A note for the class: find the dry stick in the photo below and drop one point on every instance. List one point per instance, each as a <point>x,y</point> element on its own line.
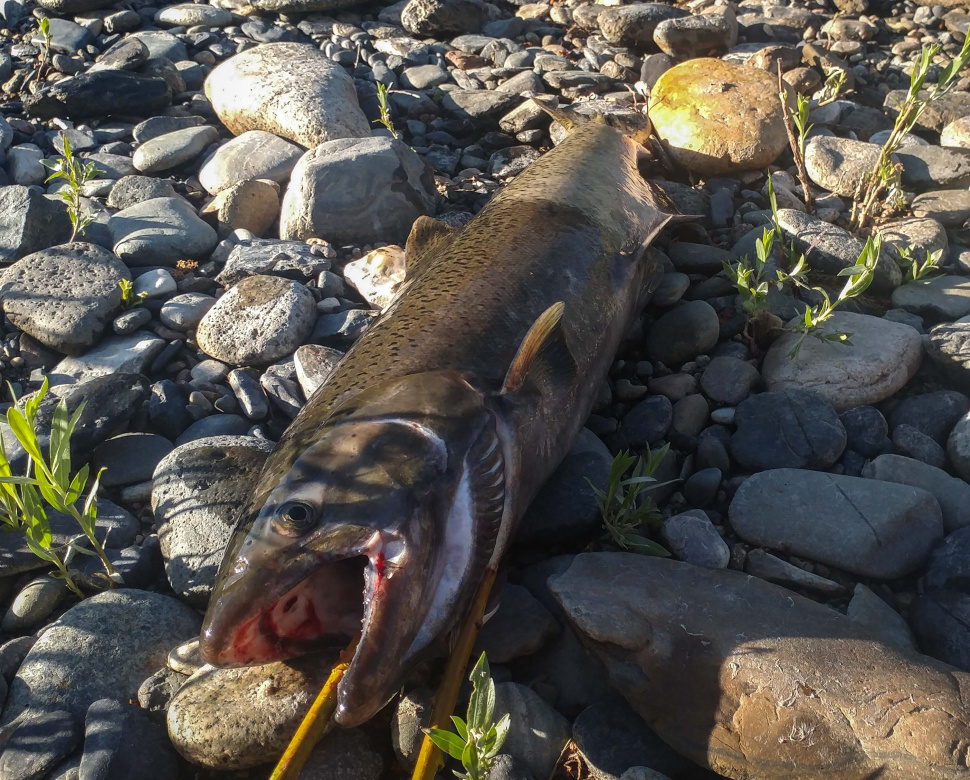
<point>429,759</point>
<point>316,722</point>
<point>793,142</point>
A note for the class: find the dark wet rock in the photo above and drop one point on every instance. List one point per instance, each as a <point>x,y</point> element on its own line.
<point>29,222</point>
<point>912,443</point>
<point>933,414</point>
<point>109,402</point>
<point>166,409</point>
<point>195,498</point>
<point>39,744</point>
<point>565,512</point>
<point>866,430</point>
<point>787,429</point>
<point>834,249</point>
<point>130,457</point>
<point>941,622</point>
<point>683,332</point>
<point>728,380</point>
<point>611,738</point>
<point>520,627</point>
<point>867,527</point>
<point>111,732</point>
<point>648,421</point>
<point>949,564</point>
<point>100,93</point>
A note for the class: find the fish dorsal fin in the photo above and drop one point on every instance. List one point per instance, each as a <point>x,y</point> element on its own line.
<point>543,353</point>
<point>428,238</point>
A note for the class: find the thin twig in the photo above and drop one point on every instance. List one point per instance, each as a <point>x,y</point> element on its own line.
<point>793,142</point>
<point>316,723</point>
<point>429,759</point>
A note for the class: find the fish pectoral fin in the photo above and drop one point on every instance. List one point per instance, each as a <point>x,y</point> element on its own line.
<point>429,237</point>
<point>542,355</point>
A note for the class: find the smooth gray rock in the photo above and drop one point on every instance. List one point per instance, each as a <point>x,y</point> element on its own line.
<point>65,296</point>
<point>683,333</point>
<point>254,154</point>
<point>867,609</point>
<point>611,737</point>
<point>161,231</point>
<point>692,537</point>
<point>519,627</point>
<point>357,191</point>
<point>129,190</point>
<point>35,601</point>
<point>184,312</point>
<point>537,733</point>
<point>102,647</point>
<point>787,429</point>
<point>883,357</point>
<point>883,530</point>
<point>830,249</point>
<point>126,354</point>
<point>943,297</point>
<point>292,90</point>
<point>635,24</point>
<point>709,659</point>
<point>952,494</point>
<point>771,568</point>
<point>123,741</point>
<point>130,458</point>
<point>195,495</point>
<point>173,149</point>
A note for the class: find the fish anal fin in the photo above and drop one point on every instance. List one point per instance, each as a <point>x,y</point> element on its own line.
<point>543,354</point>
<point>428,238</point>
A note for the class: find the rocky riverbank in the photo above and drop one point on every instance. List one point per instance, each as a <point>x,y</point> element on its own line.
<point>254,183</point>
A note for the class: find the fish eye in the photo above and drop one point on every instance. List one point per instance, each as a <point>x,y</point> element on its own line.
<point>295,517</point>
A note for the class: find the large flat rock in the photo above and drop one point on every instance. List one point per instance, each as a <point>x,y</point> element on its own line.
<point>756,682</point>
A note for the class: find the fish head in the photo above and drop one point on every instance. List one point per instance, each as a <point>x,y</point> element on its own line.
<point>359,534</point>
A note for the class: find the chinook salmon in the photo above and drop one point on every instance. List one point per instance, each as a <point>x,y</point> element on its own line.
<point>404,475</point>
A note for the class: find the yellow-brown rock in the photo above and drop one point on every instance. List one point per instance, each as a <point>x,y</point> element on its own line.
<point>717,118</point>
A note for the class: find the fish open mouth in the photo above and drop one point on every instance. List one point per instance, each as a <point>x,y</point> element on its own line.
<point>326,609</point>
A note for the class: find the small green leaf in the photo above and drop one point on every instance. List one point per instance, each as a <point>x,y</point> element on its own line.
<point>447,742</point>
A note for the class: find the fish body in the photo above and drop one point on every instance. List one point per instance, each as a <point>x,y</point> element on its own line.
<point>404,475</point>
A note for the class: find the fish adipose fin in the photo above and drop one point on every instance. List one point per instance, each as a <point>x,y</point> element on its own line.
<point>543,353</point>
<point>428,238</point>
